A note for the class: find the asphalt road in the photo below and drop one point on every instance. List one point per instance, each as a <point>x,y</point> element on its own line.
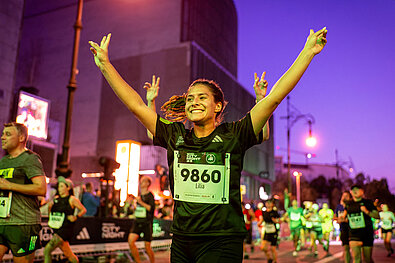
<point>284,255</point>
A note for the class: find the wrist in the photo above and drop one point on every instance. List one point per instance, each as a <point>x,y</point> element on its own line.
<point>307,53</point>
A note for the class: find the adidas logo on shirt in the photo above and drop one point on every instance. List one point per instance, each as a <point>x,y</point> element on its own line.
<point>21,250</point>
<point>83,234</point>
<point>217,139</point>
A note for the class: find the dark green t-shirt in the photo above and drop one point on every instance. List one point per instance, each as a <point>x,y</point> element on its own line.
<point>205,176</point>
<point>24,208</point>
<point>295,215</point>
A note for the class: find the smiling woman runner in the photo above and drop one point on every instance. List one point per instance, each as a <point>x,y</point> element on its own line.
<point>62,219</point>
<point>205,162</point>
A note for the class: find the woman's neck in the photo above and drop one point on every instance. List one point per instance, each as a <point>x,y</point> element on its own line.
<point>64,195</point>
<point>201,131</point>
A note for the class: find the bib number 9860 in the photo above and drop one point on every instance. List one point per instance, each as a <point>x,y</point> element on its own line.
<point>205,177</point>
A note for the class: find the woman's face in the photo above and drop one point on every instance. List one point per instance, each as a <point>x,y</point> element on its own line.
<point>200,106</point>
<point>63,189</point>
<point>384,207</point>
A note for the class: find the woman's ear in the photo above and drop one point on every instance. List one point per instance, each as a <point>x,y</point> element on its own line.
<point>218,107</point>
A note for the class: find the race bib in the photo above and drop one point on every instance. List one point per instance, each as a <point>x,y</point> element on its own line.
<point>270,228</point>
<point>201,177</point>
<point>295,216</point>
<point>56,220</point>
<point>140,212</point>
<point>5,203</point>
<point>356,221</point>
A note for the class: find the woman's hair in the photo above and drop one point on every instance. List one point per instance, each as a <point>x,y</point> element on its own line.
<point>174,108</point>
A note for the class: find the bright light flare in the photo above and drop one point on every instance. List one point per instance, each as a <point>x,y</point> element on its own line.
<point>311,141</point>
<point>296,173</point>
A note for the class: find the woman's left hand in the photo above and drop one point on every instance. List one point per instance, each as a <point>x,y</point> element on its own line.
<point>72,218</point>
<point>316,41</point>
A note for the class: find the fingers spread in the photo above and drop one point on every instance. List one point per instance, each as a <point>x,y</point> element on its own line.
<point>103,40</point>
<point>107,41</point>
<point>263,76</point>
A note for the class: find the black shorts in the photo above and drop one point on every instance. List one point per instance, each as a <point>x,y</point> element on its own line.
<point>248,238</point>
<point>366,237</point>
<point>272,238</point>
<point>66,233</point>
<point>142,227</point>
<point>21,239</point>
<point>207,249</point>
<point>383,231</point>
<point>344,237</point>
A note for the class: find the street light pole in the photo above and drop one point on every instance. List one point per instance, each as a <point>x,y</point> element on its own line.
<point>292,118</point>
<point>63,169</point>
<point>297,175</point>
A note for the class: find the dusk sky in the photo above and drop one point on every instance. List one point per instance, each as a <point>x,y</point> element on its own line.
<point>348,88</point>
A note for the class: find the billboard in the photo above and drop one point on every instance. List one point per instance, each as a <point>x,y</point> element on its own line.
<point>33,112</point>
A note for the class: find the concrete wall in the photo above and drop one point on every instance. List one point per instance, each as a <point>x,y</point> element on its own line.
<point>10,21</point>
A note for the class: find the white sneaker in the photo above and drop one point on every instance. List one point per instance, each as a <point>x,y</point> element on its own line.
<point>294,253</point>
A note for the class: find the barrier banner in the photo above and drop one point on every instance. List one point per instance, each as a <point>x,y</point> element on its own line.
<point>94,230</point>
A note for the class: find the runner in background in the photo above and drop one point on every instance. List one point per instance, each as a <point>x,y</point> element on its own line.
<point>316,228</point>
<point>293,216</point>
<point>327,224</point>
<point>249,216</point>
<point>360,212</point>
<point>387,220</point>
<point>259,220</point>
<point>306,223</point>
<point>270,239</point>
<point>143,225</point>
<point>62,218</point>
<point>340,217</point>
<point>22,180</point>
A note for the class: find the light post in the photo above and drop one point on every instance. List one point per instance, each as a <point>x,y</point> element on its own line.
<point>63,169</point>
<point>297,176</point>
<point>292,118</point>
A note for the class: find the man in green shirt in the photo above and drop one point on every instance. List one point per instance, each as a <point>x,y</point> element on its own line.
<point>294,217</point>
<point>22,180</point>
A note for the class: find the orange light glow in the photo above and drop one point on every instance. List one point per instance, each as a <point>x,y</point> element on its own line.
<point>127,176</point>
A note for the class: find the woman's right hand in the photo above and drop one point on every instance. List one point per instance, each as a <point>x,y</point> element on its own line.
<point>100,53</point>
<point>152,89</point>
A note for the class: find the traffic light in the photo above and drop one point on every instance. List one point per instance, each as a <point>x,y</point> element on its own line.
<point>110,165</point>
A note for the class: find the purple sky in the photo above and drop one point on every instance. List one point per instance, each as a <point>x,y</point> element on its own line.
<point>349,88</point>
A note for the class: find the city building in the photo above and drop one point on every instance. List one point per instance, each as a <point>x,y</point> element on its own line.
<point>310,171</point>
<point>178,40</point>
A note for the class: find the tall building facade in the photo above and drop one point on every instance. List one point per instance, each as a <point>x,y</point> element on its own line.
<point>178,40</point>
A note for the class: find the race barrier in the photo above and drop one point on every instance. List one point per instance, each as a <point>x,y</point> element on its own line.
<point>103,236</point>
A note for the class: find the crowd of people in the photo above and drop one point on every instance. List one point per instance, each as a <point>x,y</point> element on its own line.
<point>356,222</point>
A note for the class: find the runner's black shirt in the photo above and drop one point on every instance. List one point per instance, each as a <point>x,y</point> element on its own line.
<point>353,209</point>
<point>202,219</point>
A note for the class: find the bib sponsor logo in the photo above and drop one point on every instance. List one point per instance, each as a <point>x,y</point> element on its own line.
<point>210,158</point>
<point>111,231</point>
<point>192,157</point>
<point>83,234</point>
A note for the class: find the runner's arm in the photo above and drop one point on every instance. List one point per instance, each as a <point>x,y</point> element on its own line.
<point>37,187</point>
